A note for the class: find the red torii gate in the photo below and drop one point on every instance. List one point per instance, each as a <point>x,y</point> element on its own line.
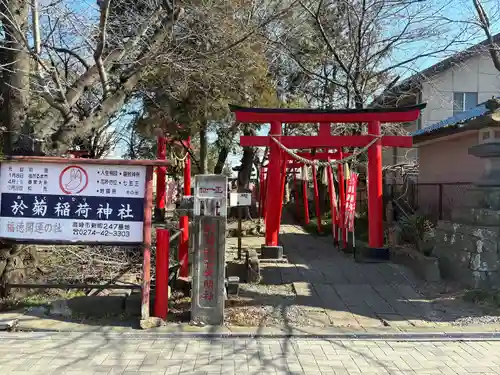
<point>373,116</point>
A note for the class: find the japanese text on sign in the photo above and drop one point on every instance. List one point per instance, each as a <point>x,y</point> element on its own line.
<point>70,203</point>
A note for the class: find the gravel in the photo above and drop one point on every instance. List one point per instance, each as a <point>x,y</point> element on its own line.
<point>265,305</point>
<point>476,320</point>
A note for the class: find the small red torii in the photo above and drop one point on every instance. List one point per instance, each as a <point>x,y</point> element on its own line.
<point>373,116</point>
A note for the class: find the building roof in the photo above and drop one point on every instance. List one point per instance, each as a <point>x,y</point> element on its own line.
<point>455,121</point>
<point>437,68</point>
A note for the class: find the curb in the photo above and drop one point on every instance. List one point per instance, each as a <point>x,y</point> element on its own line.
<point>162,334</point>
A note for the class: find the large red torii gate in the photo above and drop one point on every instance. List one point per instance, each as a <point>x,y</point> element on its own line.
<point>373,116</point>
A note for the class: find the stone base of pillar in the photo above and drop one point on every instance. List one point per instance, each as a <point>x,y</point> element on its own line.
<point>271,252</point>
<point>372,255</point>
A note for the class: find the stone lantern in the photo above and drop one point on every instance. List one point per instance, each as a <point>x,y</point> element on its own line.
<point>488,149</point>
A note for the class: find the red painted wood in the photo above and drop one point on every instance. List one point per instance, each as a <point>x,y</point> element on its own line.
<point>306,202</point>
<point>261,192</point>
<point>332,203</point>
<point>341,225</point>
<point>346,117</point>
<point>316,198</point>
<point>296,190</point>
<point>273,199</point>
<point>161,282</point>
<point>307,141</point>
<point>324,129</point>
<point>161,174</point>
<point>283,182</point>
<point>184,220</point>
<point>146,251</point>
<point>375,200</point>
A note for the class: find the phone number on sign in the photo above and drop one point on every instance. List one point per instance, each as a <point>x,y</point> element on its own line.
<point>101,232</point>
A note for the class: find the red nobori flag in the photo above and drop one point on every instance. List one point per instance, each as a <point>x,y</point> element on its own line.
<point>350,203</point>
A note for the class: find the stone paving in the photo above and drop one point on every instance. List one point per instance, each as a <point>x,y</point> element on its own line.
<point>24,353</point>
<point>333,290</point>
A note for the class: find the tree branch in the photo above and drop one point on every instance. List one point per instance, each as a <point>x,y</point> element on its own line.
<point>103,20</point>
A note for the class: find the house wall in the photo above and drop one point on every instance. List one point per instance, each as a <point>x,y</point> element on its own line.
<point>476,74</point>
<point>446,162</point>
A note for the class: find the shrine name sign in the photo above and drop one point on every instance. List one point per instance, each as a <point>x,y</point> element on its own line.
<point>71,203</point>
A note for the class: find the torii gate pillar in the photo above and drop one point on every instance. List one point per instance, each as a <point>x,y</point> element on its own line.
<point>375,198</point>
<point>272,249</point>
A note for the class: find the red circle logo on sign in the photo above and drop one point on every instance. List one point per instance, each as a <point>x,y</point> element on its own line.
<point>73,179</point>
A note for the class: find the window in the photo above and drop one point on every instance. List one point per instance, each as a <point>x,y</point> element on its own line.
<point>463,101</point>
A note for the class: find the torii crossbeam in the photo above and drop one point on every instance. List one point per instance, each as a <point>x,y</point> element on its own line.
<point>374,118</point>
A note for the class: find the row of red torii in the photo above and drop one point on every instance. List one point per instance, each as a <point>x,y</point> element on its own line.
<point>276,168</point>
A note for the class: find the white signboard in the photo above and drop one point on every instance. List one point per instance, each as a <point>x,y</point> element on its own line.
<point>240,199</point>
<point>210,195</point>
<point>72,202</point>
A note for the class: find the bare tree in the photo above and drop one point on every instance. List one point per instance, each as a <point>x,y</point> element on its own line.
<point>78,40</point>
<point>361,48</point>
<point>483,22</point>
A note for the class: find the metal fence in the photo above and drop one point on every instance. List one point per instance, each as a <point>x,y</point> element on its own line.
<point>435,200</point>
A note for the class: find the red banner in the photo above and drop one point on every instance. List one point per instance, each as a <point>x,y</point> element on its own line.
<point>350,202</point>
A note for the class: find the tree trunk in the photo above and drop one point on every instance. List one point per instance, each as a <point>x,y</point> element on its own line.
<point>203,149</point>
<point>221,160</point>
<point>15,91</point>
<point>15,83</point>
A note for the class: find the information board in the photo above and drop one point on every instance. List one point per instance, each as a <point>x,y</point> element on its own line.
<point>71,202</point>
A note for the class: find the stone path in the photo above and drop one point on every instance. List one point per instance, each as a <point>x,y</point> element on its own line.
<point>83,354</point>
<point>333,290</point>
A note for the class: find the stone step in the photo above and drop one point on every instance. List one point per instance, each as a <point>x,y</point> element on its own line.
<point>469,215</point>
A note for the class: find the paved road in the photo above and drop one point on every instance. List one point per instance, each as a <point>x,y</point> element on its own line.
<point>91,353</point>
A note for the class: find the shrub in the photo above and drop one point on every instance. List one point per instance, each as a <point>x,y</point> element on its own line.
<point>417,230</point>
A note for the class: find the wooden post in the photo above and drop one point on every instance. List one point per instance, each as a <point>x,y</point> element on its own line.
<point>161,173</point>
<point>331,187</point>
<point>146,252</point>
<point>162,264</point>
<point>184,220</point>
<point>306,202</point>
<point>342,239</point>
<point>375,199</point>
<point>316,198</point>
<point>273,199</point>
<point>296,197</point>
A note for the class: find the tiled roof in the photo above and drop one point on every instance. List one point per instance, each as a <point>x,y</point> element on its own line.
<point>454,121</point>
